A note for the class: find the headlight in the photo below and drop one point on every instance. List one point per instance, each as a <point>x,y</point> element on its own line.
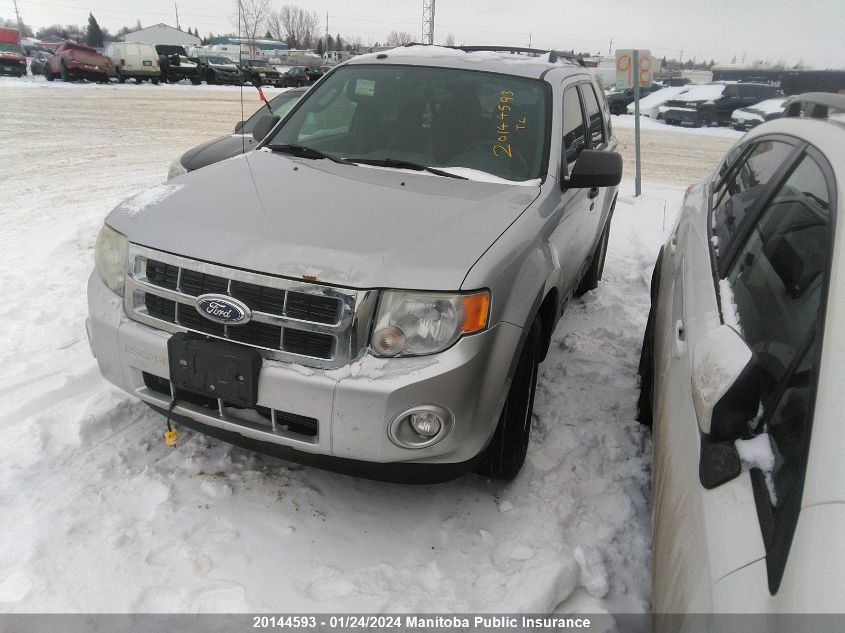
<point>414,324</point>
<point>176,169</point>
<point>110,258</point>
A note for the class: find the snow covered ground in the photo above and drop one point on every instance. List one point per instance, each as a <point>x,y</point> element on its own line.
<point>99,515</point>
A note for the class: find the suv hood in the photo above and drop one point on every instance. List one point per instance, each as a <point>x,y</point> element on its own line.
<point>351,226</point>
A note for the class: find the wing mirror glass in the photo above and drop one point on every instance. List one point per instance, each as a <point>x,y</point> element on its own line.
<point>264,125</point>
<point>595,168</point>
<point>725,384</point>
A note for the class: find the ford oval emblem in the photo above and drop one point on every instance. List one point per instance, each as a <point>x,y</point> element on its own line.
<point>223,309</point>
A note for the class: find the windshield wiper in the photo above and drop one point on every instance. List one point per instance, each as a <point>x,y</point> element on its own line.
<point>404,164</point>
<point>307,152</point>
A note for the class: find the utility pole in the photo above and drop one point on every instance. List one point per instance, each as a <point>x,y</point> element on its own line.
<point>681,56</point>
<point>428,21</point>
<point>529,39</point>
<point>18,16</point>
<point>176,6</point>
<point>610,47</point>
<point>326,43</point>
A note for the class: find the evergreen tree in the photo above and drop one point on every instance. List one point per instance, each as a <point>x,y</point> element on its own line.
<point>94,36</point>
<point>320,49</point>
<point>338,43</point>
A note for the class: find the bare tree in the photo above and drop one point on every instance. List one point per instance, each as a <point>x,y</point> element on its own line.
<point>450,40</point>
<point>251,16</point>
<point>399,38</point>
<point>295,26</point>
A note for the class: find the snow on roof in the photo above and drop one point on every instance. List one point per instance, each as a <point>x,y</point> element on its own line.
<point>702,92</point>
<point>445,55</point>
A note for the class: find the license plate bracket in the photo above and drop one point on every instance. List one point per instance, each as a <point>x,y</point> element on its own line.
<point>214,368</point>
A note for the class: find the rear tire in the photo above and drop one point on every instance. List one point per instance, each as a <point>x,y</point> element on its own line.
<point>154,81</point>
<point>47,74</point>
<point>592,277</point>
<point>504,456</point>
<point>65,73</point>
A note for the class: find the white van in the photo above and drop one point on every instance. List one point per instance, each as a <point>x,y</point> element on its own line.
<point>133,60</point>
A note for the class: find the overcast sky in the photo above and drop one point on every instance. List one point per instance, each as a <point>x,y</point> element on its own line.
<point>773,30</point>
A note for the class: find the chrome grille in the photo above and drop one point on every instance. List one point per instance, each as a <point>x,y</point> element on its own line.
<point>295,321</point>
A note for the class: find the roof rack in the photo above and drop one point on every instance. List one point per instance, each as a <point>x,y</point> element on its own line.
<point>554,56</point>
<point>814,105</point>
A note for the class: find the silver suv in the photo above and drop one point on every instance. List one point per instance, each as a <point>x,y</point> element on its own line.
<point>371,289</point>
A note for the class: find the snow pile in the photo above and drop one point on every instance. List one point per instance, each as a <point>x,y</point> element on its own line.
<point>730,315</point>
<point>99,515</point>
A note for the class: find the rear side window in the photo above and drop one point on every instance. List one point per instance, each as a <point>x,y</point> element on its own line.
<point>738,192</point>
<point>731,92</point>
<point>593,116</point>
<point>574,129</point>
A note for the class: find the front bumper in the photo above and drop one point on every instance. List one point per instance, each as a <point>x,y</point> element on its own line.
<point>353,405</point>
<point>683,115</point>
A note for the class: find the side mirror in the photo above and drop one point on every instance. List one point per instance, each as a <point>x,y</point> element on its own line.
<point>595,168</point>
<point>238,126</point>
<point>725,384</point>
<point>264,125</point>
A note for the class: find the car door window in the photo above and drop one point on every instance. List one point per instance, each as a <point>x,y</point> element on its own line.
<point>731,92</point>
<point>574,128</point>
<point>777,286</point>
<point>593,116</point>
<point>741,188</point>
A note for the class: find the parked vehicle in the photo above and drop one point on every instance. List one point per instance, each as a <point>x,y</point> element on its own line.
<point>76,61</point>
<point>259,72</point>
<point>239,141</point>
<point>713,104</point>
<point>131,60</point>
<point>220,70</point>
<point>651,104</point>
<point>741,377</point>
<point>296,76</point>
<point>618,101</point>
<point>176,65</point>
<point>12,57</point>
<point>372,288</point>
<point>38,63</point>
<point>746,118</point>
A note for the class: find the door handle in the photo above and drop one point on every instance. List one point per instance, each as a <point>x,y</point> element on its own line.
<point>594,192</point>
<point>680,338</point>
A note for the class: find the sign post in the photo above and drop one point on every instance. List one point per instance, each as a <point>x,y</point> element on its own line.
<point>634,71</point>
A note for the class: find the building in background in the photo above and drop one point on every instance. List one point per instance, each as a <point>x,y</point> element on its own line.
<point>162,34</point>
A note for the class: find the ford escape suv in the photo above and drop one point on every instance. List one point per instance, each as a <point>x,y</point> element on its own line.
<point>372,288</point>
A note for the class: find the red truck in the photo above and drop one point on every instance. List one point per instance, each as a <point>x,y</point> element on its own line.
<point>12,57</point>
<point>77,61</point>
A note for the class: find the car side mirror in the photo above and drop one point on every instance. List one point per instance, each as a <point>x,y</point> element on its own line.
<point>595,168</point>
<point>264,125</point>
<point>238,126</point>
<point>725,384</point>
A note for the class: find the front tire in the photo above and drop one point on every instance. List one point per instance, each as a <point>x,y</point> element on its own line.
<point>504,456</point>
<point>65,73</point>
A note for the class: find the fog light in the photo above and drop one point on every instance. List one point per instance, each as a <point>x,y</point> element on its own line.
<point>426,423</point>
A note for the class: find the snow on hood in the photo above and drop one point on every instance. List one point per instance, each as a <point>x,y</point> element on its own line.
<point>769,106</point>
<point>138,203</point>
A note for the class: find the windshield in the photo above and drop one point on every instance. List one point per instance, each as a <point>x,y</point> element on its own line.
<point>221,61</point>
<point>436,117</point>
<point>259,62</point>
<point>280,106</point>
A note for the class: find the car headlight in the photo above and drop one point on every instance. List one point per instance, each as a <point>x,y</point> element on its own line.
<point>416,323</point>
<point>176,169</point>
<point>110,258</point>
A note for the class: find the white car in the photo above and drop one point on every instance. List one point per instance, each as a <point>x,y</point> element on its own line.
<point>744,119</point>
<point>650,104</point>
<point>742,370</point>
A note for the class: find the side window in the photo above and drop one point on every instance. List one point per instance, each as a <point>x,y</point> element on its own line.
<point>777,283</point>
<point>731,92</point>
<point>737,194</point>
<point>574,130</point>
<point>593,115</point>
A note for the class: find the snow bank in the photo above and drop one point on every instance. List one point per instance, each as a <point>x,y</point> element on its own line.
<point>648,124</point>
